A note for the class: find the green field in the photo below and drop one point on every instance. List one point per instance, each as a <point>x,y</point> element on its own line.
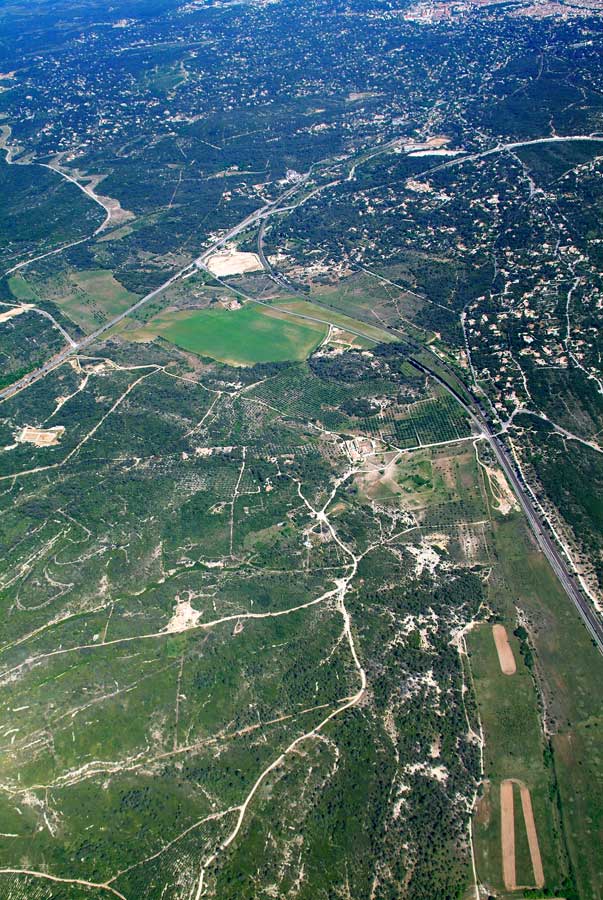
<point>568,669</point>
<point>240,337</point>
<point>563,772</point>
<point>20,289</point>
<point>89,297</point>
<point>514,748</point>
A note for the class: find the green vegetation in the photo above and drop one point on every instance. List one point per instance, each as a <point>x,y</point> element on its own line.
<point>574,483</point>
<point>39,211</point>
<point>574,711</point>
<point>550,683</point>
<point>514,748</point>
<point>94,296</point>
<point>233,592</point>
<point>418,477</point>
<point>307,308</point>
<point>20,289</point>
<point>26,341</point>
<point>239,337</point>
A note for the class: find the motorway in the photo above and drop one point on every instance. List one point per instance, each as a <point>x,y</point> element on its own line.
<point>539,529</point>
<point>77,346</point>
<point>545,542</point>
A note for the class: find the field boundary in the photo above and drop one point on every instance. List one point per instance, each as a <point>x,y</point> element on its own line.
<point>507,835</point>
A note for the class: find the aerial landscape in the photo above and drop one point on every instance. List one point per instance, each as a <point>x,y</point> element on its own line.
<point>301,450</point>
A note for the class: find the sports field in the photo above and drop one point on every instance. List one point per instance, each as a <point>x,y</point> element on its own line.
<point>240,337</point>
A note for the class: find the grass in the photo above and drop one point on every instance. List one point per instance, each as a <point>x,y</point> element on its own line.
<point>117,235</point>
<point>416,475</point>
<point>243,337</point>
<point>20,289</point>
<point>514,748</point>
<point>568,668</point>
<point>306,308</point>
<point>364,296</point>
<point>104,287</point>
<point>163,79</point>
<point>92,296</point>
<point>524,872</point>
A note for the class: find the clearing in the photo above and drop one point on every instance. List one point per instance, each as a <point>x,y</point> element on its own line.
<point>503,648</point>
<point>90,297</point>
<point>239,337</point>
<point>41,437</point>
<point>233,262</point>
<point>504,499</point>
<point>508,831</point>
<point>514,752</point>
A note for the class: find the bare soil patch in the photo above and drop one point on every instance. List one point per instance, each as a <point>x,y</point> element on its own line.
<point>528,816</point>
<point>504,498</point>
<point>503,648</point>
<point>183,617</point>
<point>507,835</point>
<point>233,262</point>
<point>14,311</point>
<point>360,95</point>
<point>41,437</point>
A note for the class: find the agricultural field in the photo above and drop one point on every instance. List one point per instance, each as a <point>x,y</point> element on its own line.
<point>513,753</point>
<point>91,297</point>
<point>277,611</point>
<point>240,337</point>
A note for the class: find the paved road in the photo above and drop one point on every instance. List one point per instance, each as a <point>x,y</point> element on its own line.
<point>77,346</point>
<point>546,543</point>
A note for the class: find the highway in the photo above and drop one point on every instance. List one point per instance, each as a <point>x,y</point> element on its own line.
<point>548,546</point>
<point>546,543</point>
<point>77,346</point>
